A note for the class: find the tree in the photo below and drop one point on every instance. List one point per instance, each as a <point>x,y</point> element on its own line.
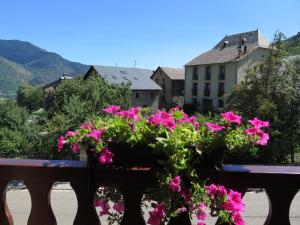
<point>30,97</point>
<point>271,91</point>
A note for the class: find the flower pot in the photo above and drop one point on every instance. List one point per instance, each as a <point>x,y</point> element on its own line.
<point>212,159</point>
<point>126,156</point>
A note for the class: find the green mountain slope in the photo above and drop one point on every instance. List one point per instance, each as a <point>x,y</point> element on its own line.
<point>12,74</point>
<point>24,62</point>
<point>292,44</point>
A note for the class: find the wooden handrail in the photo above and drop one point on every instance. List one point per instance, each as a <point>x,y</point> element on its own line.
<point>280,182</point>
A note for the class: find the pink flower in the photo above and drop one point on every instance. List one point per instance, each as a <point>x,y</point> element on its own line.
<point>196,125</point>
<point>104,207</point>
<point>200,223</point>
<point>201,215</point>
<point>170,123</point>
<point>193,119</point>
<point>105,156</point>
<point>75,147</point>
<point>264,137</point>
<point>119,207</point>
<point>175,184</point>
<point>96,134</point>
<point>259,123</point>
<point>214,127</point>
<point>71,133</point>
<point>237,219</point>
<point>234,202</point>
<point>85,126</point>
<point>251,131</point>
<point>112,109</point>
<point>131,113</point>
<point>61,142</point>
<point>216,191</point>
<point>157,215</point>
<point>231,117</point>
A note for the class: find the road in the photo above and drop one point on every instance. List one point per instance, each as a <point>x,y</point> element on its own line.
<point>64,206</point>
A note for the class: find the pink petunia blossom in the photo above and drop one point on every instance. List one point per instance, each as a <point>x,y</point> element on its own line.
<point>251,131</point>
<point>231,117</point>
<point>216,191</point>
<point>170,123</point>
<point>175,184</point>
<point>104,207</point>
<point>238,219</point>
<point>71,133</point>
<point>264,137</point>
<point>234,202</point>
<point>61,142</point>
<point>157,215</point>
<point>200,223</point>
<point>86,126</point>
<point>214,127</point>
<point>75,147</point>
<point>201,215</point>
<point>105,156</point>
<point>119,207</point>
<point>112,109</point>
<point>95,134</point>
<point>259,123</point>
<point>131,114</point>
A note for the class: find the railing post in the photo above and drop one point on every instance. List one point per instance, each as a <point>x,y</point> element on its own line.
<point>5,216</point>
<point>41,211</point>
<point>132,196</point>
<point>280,200</point>
<point>86,213</point>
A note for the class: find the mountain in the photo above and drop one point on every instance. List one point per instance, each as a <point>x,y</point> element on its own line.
<point>292,44</point>
<point>22,61</point>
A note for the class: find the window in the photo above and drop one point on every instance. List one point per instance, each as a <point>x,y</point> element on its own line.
<point>157,81</point>
<point>222,72</point>
<point>137,95</point>
<point>194,101</point>
<point>151,95</point>
<point>207,89</point>
<point>220,103</point>
<point>195,73</point>
<point>164,84</point>
<point>207,72</point>
<point>194,89</point>
<point>207,105</point>
<point>163,98</point>
<point>221,89</point>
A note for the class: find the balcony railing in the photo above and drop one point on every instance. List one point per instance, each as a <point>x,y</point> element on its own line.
<point>280,182</point>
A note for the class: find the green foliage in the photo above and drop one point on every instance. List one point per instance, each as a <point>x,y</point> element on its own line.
<point>292,44</point>
<point>272,93</point>
<point>30,97</point>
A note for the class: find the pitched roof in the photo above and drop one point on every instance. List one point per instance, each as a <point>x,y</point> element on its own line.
<point>139,78</point>
<point>227,49</point>
<point>174,73</point>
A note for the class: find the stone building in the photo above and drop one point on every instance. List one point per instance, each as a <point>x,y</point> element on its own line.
<point>214,73</point>
<point>145,92</point>
<point>171,80</point>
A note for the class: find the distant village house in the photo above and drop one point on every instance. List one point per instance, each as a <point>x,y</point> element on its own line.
<point>214,73</point>
<point>145,92</point>
<point>171,80</point>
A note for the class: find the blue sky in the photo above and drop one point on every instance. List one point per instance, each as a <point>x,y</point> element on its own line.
<point>150,32</point>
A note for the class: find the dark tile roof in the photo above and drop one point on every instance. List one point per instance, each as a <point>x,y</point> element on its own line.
<point>174,73</point>
<point>227,49</point>
<point>139,78</point>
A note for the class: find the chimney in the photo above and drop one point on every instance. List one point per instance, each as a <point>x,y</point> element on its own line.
<point>245,49</point>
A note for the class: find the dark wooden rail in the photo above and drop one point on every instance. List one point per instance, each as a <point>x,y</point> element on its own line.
<point>281,184</point>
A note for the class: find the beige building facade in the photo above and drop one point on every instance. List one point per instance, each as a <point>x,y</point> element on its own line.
<point>171,80</point>
<point>213,74</point>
